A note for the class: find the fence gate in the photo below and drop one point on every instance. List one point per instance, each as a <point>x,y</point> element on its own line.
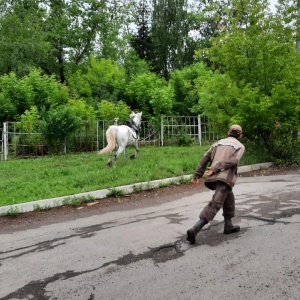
<point>172,127</point>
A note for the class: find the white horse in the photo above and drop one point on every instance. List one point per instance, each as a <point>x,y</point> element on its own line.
<point>123,136</point>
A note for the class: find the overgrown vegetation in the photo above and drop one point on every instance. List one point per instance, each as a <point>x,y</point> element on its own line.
<point>63,175</point>
<point>232,61</point>
<point>115,193</point>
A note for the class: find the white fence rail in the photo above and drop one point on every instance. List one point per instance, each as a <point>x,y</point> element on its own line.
<point>19,141</point>
<point>172,127</point>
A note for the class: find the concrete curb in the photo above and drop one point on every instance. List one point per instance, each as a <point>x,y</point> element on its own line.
<point>99,194</point>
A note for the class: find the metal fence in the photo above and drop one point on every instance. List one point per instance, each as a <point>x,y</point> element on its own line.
<point>174,127</point>
<point>1,145</point>
<point>26,140</point>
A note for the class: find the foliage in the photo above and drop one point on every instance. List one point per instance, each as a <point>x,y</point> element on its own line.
<point>109,111</point>
<point>57,36</point>
<point>217,100</point>
<point>170,37</point>
<point>30,116</point>
<point>58,125</point>
<point>77,54</point>
<point>23,41</point>
<point>47,91</point>
<point>83,110</point>
<point>115,193</point>
<point>184,139</point>
<point>30,122</point>
<point>150,94</point>
<point>256,90</point>
<point>208,20</point>
<point>182,83</point>
<point>15,97</point>
<point>142,41</point>
<point>161,101</point>
<point>133,66</point>
<point>34,89</point>
<point>113,37</point>
<point>103,79</point>
<point>13,211</point>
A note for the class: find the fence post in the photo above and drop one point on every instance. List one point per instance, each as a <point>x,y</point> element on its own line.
<point>199,131</point>
<point>103,133</point>
<point>5,141</point>
<point>65,146</point>
<point>162,130</point>
<point>97,133</point>
<point>1,144</point>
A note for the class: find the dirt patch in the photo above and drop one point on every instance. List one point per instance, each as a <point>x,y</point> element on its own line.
<point>34,219</point>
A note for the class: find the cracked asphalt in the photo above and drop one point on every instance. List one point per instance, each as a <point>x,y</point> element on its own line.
<point>142,253</point>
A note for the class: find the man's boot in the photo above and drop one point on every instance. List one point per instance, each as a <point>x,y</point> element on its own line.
<point>191,233</point>
<point>229,228</point>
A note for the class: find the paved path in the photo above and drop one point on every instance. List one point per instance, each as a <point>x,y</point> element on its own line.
<point>143,254</point>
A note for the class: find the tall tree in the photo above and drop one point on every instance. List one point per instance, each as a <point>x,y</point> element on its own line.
<point>142,42</point>
<point>289,12</point>
<point>182,83</point>
<point>103,79</point>
<point>260,85</point>
<point>23,43</point>
<point>209,20</point>
<point>71,29</point>
<point>170,35</point>
<point>58,35</point>
<point>114,35</point>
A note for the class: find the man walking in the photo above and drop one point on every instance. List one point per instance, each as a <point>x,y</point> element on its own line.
<point>223,158</point>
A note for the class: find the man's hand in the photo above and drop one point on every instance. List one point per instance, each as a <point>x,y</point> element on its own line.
<point>195,180</point>
<point>209,172</point>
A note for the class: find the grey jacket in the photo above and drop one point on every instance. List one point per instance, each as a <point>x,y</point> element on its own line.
<point>224,157</point>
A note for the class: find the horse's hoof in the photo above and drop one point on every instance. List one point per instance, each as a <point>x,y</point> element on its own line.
<point>109,163</point>
<point>132,157</point>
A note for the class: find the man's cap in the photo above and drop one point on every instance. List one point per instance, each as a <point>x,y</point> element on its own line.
<point>235,130</point>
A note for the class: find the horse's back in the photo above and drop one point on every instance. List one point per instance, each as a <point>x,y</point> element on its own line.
<point>123,133</point>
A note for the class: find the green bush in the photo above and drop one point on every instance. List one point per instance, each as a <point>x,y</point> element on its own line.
<point>58,125</point>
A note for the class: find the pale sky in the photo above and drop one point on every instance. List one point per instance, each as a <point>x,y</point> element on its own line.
<point>272,3</point>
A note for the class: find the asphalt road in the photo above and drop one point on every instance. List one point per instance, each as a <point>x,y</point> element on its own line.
<point>143,253</point>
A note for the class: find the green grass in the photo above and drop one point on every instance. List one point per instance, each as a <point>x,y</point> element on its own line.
<point>24,180</point>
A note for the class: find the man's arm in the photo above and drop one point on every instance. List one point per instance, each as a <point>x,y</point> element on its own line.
<point>201,168</point>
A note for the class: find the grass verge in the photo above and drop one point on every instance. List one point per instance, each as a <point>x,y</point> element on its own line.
<point>25,180</point>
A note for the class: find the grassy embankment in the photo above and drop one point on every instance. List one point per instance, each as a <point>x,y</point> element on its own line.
<point>24,180</point>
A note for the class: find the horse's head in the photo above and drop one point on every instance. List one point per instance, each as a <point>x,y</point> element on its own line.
<point>136,118</point>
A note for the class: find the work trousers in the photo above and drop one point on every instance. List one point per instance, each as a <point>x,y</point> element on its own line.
<point>222,198</point>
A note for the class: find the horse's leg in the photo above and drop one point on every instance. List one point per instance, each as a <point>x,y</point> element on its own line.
<point>133,156</point>
<point>120,150</point>
<point>124,155</point>
<point>109,162</point>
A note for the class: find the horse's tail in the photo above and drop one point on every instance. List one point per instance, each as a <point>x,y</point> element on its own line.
<point>111,141</point>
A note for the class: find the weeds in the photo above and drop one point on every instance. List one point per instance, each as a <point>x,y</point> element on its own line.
<point>13,211</point>
<point>115,193</point>
<point>38,207</point>
<point>77,201</point>
<point>166,184</point>
<point>137,189</point>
